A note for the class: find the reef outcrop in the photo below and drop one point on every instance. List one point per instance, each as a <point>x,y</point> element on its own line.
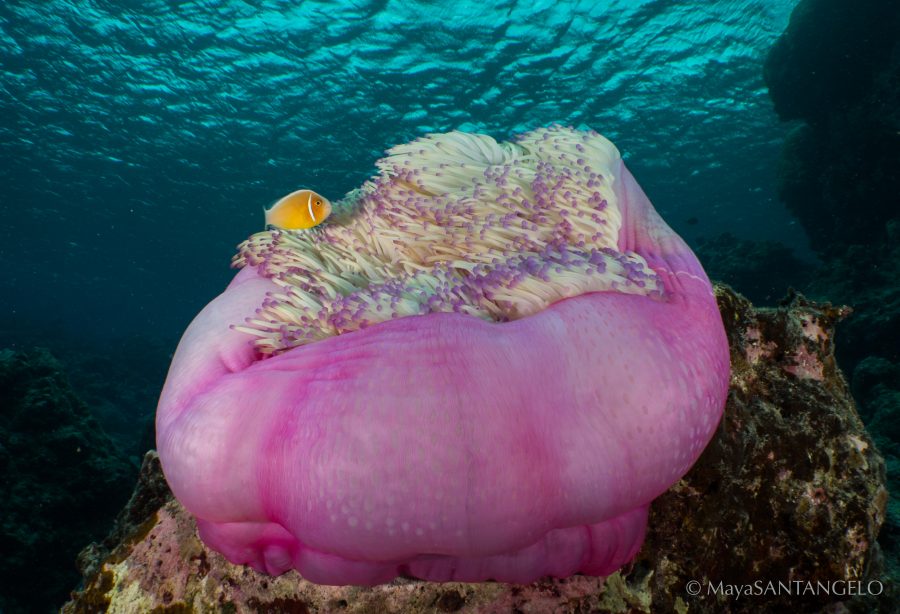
<point>790,490</point>
<point>837,69</point>
<point>61,480</point>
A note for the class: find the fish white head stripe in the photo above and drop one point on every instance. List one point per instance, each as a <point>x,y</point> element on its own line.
<point>309,206</point>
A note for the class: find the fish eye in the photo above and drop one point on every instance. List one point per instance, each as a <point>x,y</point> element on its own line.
<point>318,202</point>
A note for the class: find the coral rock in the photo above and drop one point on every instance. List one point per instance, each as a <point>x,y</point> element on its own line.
<point>791,489</point>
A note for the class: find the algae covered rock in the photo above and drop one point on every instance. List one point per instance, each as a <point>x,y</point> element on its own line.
<point>790,491</point>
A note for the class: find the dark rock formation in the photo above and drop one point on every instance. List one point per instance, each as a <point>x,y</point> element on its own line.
<point>117,377</point>
<point>790,490</point>
<point>763,271</point>
<point>837,68</point>
<point>61,481</point>
<point>876,385</point>
<point>120,379</point>
<point>868,279</point>
<point>830,56</point>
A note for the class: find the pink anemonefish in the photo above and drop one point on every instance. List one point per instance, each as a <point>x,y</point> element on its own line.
<point>298,210</point>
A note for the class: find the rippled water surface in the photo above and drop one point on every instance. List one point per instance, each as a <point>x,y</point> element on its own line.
<point>140,140</point>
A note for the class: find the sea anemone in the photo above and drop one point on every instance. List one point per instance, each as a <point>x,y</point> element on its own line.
<point>455,223</point>
<point>486,364</point>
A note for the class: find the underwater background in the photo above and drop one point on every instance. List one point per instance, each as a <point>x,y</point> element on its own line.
<point>140,141</point>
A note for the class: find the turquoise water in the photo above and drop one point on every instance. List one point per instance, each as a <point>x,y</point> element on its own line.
<point>140,140</point>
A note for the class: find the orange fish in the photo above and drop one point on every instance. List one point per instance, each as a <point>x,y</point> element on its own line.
<point>299,210</point>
